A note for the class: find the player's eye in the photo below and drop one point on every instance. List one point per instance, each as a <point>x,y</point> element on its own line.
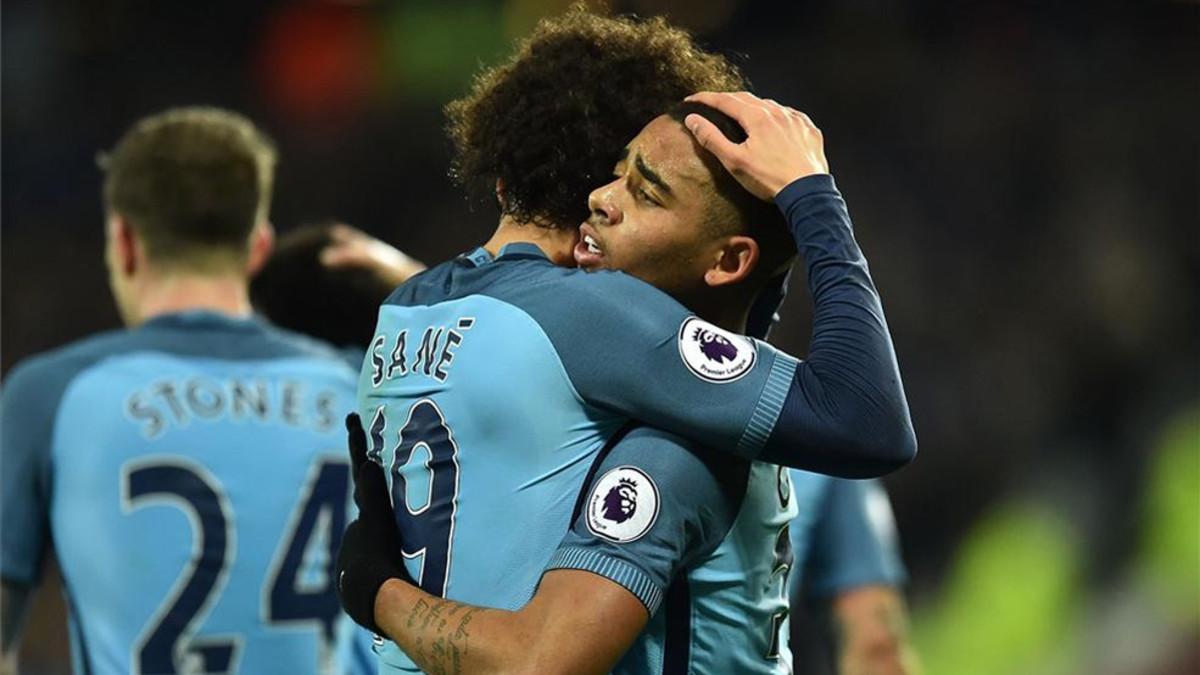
<point>647,197</point>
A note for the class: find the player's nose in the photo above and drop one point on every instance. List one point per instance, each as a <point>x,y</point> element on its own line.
<point>604,210</point>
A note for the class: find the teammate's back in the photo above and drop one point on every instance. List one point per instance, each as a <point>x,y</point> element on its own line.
<point>455,447</point>
<point>493,383</point>
<point>196,490</point>
<point>188,472</point>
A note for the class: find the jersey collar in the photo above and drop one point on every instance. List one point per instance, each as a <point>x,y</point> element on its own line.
<point>522,249</point>
<point>200,319</point>
<point>515,250</point>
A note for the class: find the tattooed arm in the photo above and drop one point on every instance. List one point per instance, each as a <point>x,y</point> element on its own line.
<point>871,631</point>
<point>447,637</point>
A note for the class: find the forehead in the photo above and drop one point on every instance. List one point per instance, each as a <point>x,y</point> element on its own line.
<point>669,149</point>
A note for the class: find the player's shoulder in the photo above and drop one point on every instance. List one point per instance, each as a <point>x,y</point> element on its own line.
<point>208,335</point>
<point>603,288</point>
<point>654,481</point>
<point>426,287</point>
<point>699,472</point>
<point>298,345</point>
<point>178,336</point>
<point>67,360</point>
<point>40,379</point>
<point>576,307</point>
<point>557,298</point>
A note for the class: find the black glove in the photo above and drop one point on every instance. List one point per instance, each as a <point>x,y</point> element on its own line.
<point>371,551</point>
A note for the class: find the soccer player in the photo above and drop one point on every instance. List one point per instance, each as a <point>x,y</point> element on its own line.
<point>847,575</point>
<point>617,345</point>
<point>187,470</point>
<point>705,532</point>
<point>555,338</point>
<point>847,568</point>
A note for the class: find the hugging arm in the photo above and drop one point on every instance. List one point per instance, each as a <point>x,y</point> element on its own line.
<point>847,396</point>
<point>444,636</point>
<point>602,589</point>
<point>842,411</point>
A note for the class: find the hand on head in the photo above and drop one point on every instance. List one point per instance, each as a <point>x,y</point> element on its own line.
<point>783,144</point>
<point>352,247</point>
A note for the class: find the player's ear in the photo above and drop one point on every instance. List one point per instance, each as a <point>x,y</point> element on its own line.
<point>122,246</point>
<point>501,198</point>
<point>733,261</point>
<point>262,243</point>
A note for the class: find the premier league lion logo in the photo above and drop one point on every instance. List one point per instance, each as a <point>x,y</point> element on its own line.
<point>715,347</point>
<point>621,501</point>
<point>623,505</point>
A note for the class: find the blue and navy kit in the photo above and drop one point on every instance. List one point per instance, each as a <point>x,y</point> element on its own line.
<point>843,537</point>
<point>191,477</point>
<point>712,545</point>
<point>492,384</point>
<point>700,538</point>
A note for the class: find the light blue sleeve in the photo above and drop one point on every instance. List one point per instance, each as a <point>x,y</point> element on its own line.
<point>630,348</point>
<point>854,541</point>
<point>27,408</point>
<point>651,509</point>
<point>633,349</point>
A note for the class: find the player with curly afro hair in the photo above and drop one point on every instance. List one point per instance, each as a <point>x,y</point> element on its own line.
<point>529,133</point>
<point>597,162</point>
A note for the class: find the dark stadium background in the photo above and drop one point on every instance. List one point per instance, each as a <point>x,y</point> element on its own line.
<point>1023,177</point>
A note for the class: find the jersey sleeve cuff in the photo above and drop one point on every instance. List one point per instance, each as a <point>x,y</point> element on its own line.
<point>619,572</point>
<point>803,187</point>
<point>770,403</point>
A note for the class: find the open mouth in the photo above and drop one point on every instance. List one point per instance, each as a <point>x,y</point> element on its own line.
<point>588,252</point>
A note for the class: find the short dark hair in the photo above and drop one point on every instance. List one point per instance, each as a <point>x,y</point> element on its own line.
<point>296,291</point>
<point>736,210</point>
<point>191,181</point>
<point>550,122</point>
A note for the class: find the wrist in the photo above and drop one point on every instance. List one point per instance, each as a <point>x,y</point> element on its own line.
<point>389,596</point>
<point>804,186</point>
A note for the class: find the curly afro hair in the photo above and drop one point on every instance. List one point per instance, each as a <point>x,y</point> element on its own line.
<point>550,122</point>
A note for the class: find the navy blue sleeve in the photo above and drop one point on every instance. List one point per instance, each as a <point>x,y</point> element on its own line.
<point>845,410</point>
<point>27,409</point>
<point>652,509</point>
<point>854,541</point>
<point>627,347</point>
<point>630,348</point>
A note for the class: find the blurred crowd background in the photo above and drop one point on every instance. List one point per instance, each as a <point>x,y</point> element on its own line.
<point>1024,177</point>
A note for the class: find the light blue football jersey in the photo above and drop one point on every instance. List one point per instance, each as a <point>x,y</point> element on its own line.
<point>487,403</point>
<point>492,385</point>
<point>192,479</point>
<point>844,536</point>
<point>701,539</point>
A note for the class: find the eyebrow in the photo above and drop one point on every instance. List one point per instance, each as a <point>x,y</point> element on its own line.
<point>651,175</point>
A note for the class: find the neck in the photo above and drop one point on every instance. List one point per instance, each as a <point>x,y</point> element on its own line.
<point>557,244</point>
<point>728,308</point>
<point>184,292</point>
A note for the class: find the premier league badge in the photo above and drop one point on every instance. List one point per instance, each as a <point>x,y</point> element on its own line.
<point>623,505</point>
<point>714,354</point>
